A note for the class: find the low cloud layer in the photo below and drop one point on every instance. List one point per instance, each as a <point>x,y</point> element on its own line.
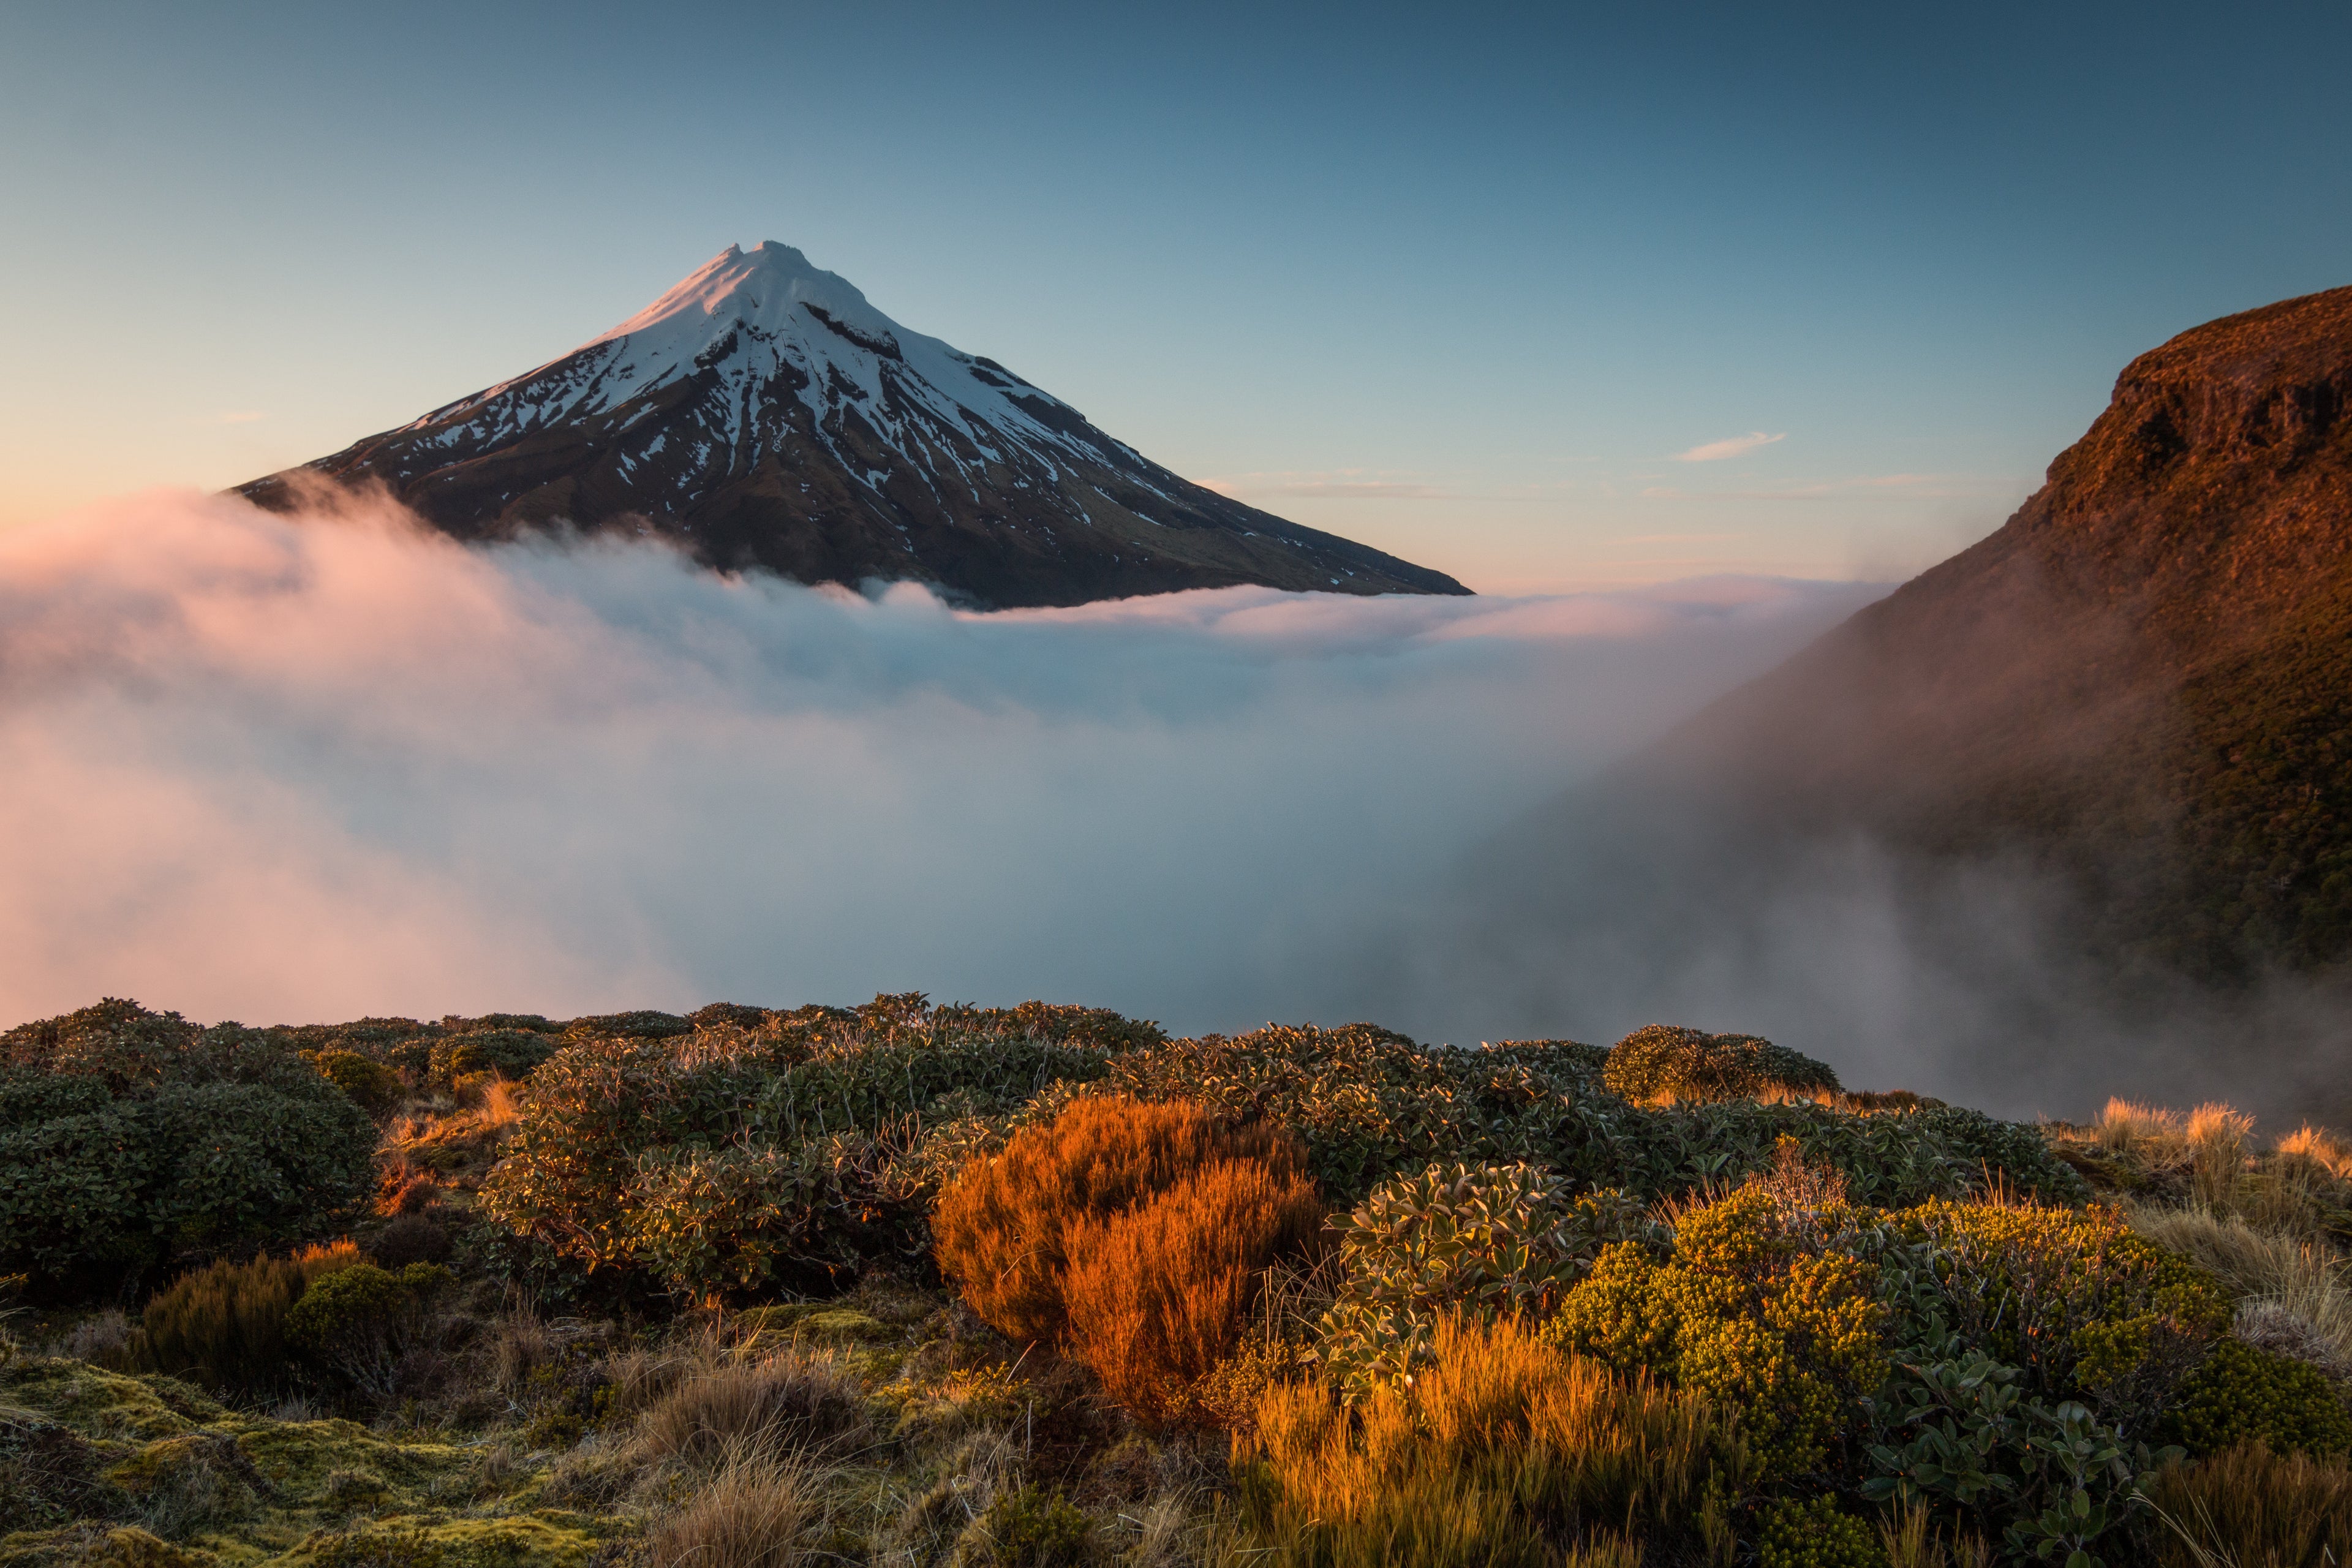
<point>282,769</point>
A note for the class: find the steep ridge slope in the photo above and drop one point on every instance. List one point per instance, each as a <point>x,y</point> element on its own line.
<point>2075,797</point>
<point>763,414</point>
<point>2144,680</point>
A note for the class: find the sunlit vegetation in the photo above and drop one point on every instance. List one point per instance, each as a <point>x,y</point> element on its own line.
<point>945,1287</point>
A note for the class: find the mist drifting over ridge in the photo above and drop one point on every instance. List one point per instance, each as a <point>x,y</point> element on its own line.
<point>291,767</point>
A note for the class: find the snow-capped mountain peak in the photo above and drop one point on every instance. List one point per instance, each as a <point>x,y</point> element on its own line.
<point>764,412</point>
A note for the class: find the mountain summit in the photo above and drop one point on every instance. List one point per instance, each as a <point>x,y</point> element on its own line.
<point>763,413</point>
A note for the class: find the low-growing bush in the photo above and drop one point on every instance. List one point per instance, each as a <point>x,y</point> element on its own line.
<point>1002,1229</point>
<point>412,1239</point>
<point>1489,1240</point>
<point>2241,1394</point>
<point>805,1218</point>
<point>2085,1306</point>
<point>655,1149</point>
<point>224,1326</point>
<point>1028,1528</point>
<point>358,1321</point>
<point>371,1086</point>
<point>1963,1436</point>
<point>1664,1061</point>
<point>1757,1307</point>
<point>125,1134</point>
<point>1156,1296</point>
<point>508,1053</point>
<point>1815,1532</point>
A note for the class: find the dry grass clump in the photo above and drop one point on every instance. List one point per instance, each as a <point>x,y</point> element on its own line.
<point>2127,1127</point>
<point>2321,1148</point>
<point>1505,1452</point>
<point>2278,1275</point>
<point>792,1404</point>
<point>2217,1137</point>
<point>2249,1508</point>
<point>752,1513</point>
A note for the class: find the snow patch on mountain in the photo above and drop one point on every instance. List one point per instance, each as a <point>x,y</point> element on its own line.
<point>752,320</point>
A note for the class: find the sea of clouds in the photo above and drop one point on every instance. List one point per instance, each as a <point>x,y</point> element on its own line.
<point>288,769</point>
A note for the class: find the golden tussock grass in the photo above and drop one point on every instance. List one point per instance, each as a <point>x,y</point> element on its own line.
<point>2269,1269</point>
<point>752,1513</point>
<point>2249,1508</point>
<point>1505,1449</point>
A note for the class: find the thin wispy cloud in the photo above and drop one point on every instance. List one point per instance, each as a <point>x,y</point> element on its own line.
<point>1732,446</point>
<point>1341,484</point>
<point>1927,486</point>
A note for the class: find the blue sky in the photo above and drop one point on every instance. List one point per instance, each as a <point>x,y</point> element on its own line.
<point>1461,282</point>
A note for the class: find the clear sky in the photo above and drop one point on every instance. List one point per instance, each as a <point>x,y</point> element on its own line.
<point>1464,283</point>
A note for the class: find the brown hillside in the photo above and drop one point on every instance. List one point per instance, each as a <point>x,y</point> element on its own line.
<point>2144,677</point>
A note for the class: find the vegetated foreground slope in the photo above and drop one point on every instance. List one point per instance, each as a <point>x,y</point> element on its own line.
<point>2144,680</point>
<point>763,413</point>
<point>924,1285</point>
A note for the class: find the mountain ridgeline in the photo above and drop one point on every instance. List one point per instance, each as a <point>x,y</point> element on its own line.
<point>764,415</point>
<point>2081,791</point>
<point>2143,680</point>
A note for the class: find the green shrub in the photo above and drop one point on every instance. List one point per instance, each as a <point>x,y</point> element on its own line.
<point>509,1053</point>
<point>2241,1393</point>
<point>2085,1308</point>
<point>620,1155</point>
<point>1030,1527</point>
<point>643,1025</point>
<point>129,1133</point>
<point>358,1321</point>
<point>1369,1102</point>
<point>1664,1061</point>
<point>1491,1240</point>
<point>1815,1533</point>
<point>1758,1309</point>
<point>371,1085</point>
<point>2053,1482</point>
<point>759,1220</point>
<point>224,1325</point>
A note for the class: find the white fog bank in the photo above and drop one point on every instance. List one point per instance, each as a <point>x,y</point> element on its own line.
<point>289,769</point>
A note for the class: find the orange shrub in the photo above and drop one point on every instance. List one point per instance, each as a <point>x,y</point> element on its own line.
<point>1156,1297</point>
<point>1002,1229</point>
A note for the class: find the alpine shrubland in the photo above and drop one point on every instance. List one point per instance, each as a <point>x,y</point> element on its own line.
<point>941,1286</point>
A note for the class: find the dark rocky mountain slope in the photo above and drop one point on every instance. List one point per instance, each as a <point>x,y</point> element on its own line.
<point>761,413</point>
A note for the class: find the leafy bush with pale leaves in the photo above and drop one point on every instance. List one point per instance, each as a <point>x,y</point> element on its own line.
<point>1491,1241</point>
